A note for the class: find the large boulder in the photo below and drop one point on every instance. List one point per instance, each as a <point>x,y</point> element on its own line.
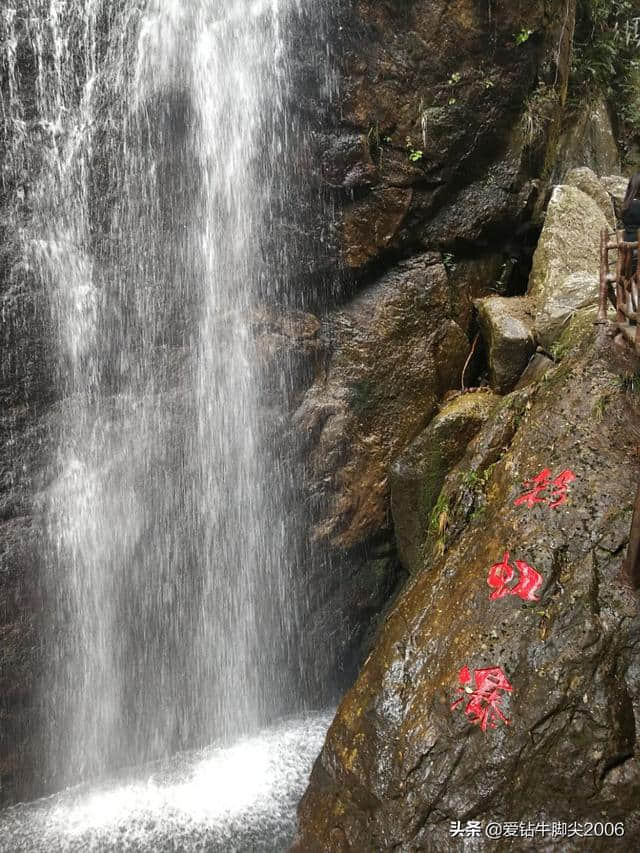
<point>586,180</point>
<point>564,274</point>
<point>418,474</point>
<point>588,140</point>
<point>578,290</point>
<point>506,325</point>
<point>616,186</point>
<point>405,754</point>
<point>394,351</point>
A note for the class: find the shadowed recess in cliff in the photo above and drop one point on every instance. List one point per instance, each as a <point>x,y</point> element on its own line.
<point>169,162</point>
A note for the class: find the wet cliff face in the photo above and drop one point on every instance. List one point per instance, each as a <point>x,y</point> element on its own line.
<point>402,758</point>
<point>433,156</point>
<point>399,762</point>
<point>444,116</point>
<point>433,134</point>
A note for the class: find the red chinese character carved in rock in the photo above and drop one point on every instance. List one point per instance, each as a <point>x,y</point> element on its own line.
<point>501,574</point>
<point>483,707</point>
<point>556,489</point>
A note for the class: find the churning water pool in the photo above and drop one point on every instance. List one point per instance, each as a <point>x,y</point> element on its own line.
<point>241,798</point>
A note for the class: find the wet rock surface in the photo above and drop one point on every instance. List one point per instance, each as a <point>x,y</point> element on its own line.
<point>428,150</point>
<point>588,140</point>
<point>506,326</point>
<point>418,474</point>
<point>398,763</point>
<point>447,79</point>
<point>394,351</point>
<point>564,272</point>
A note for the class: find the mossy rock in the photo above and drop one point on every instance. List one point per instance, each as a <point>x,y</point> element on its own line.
<point>418,474</point>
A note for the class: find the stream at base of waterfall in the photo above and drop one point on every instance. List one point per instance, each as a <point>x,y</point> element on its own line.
<point>240,798</point>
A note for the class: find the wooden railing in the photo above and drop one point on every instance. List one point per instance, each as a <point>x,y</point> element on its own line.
<point>619,286</point>
<point>619,283</point>
<point>632,560</point>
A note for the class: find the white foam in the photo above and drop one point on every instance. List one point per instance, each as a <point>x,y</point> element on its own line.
<point>241,797</point>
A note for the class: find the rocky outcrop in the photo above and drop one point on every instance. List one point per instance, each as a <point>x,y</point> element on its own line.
<point>566,261</point>
<point>421,149</point>
<point>506,326</point>
<point>588,140</point>
<point>587,181</point>
<point>394,351</point>
<point>616,186</point>
<point>418,474</point>
<point>428,148</point>
<point>403,756</point>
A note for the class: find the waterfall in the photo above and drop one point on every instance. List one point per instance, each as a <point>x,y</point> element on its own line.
<point>168,159</point>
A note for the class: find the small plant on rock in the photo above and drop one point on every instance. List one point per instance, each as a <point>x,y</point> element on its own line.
<point>449,262</point>
<point>628,382</point>
<point>522,36</point>
<point>414,154</point>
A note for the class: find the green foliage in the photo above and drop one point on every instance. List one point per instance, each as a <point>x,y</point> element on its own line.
<point>478,480</point>
<point>522,36</point>
<point>629,87</point>
<point>479,512</point>
<point>474,485</point>
<point>414,154</point>
<point>539,110</point>
<point>600,408</point>
<point>603,58</point>
<point>449,262</point>
<point>560,348</point>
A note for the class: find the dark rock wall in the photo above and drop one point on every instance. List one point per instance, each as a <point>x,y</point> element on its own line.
<point>399,762</point>
<point>452,149</point>
<point>433,156</point>
<point>429,147</point>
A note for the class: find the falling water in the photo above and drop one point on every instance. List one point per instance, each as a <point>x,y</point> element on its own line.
<point>167,152</point>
